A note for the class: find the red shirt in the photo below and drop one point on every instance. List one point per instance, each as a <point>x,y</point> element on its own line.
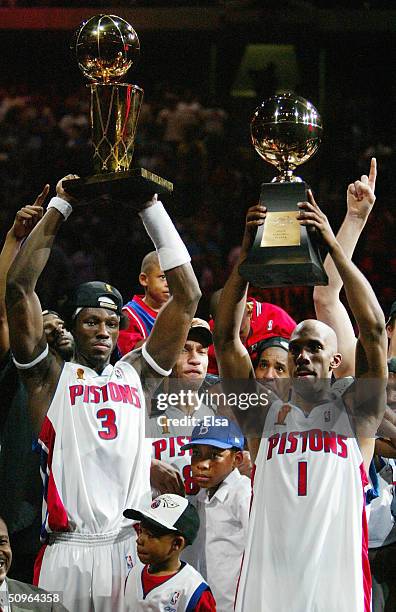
<point>267,321</point>
<point>141,320</point>
<point>206,602</point>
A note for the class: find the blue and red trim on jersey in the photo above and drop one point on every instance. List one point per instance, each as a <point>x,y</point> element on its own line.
<point>54,513</point>
<point>141,313</point>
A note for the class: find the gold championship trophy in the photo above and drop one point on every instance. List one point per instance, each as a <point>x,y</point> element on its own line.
<point>105,47</point>
<point>286,132</point>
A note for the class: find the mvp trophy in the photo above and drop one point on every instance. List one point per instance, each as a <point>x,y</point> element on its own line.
<point>105,47</point>
<point>286,131</point>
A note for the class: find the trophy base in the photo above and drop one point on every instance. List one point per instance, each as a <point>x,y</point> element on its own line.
<point>284,253</point>
<point>119,186</point>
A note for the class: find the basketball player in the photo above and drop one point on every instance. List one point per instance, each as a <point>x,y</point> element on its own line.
<point>307,542</point>
<point>91,416</point>
<point>19,465</point>
<point>172,427</point>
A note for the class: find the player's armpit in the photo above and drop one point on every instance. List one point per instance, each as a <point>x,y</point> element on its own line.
<point>41,382</point>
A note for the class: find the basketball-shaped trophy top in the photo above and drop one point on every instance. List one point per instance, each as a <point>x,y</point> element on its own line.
<point>105,47</point>
<point>286,131</point>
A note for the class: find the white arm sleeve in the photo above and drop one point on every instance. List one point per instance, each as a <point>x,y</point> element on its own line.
<point>171,249</point>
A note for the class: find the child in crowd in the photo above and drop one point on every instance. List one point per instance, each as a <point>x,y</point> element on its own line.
<point>223,507</point>
<point>161,581</point>
<point>142,310</point>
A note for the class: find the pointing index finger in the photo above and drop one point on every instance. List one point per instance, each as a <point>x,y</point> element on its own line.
<point>41,197</point>
<point>373,173</point>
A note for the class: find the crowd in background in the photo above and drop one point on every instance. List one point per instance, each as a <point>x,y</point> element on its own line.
<point>204,148</point>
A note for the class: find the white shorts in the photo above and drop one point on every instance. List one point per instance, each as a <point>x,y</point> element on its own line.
<point>89,569</point>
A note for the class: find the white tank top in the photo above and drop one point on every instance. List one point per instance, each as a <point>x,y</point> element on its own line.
<point>96,459</point>
<point>178,594</point>
<point>307,543</point>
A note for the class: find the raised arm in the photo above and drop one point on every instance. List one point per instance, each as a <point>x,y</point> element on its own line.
<point>169,334</point>
<point>328,306</point>
<point>25,219</point>
<point>232,357</point>
<point>371,361</point>
<point>27,338</point>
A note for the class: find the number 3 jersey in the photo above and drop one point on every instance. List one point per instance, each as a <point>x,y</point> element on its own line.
<point>306,549</point>
<point>95,457</point>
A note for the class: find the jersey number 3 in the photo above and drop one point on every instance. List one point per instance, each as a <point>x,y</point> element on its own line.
<point>109,429</point>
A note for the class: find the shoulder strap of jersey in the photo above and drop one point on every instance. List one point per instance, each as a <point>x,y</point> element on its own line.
<point>196,596</point>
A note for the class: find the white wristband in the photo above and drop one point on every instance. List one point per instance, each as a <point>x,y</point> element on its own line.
<point>61,205</point>
<point>27,366</point>
<point>171,249</point>
<point>153,364</point>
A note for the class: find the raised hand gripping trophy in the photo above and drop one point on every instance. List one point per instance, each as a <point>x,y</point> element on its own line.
<point>286,132</point>
<point>105,47</point>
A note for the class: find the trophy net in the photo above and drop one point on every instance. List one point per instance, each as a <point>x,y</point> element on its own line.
<point>114,115</point>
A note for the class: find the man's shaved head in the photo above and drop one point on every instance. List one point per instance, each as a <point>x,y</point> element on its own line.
<point>317,329</point>
<point>312,357</point>
<point>149,262</point>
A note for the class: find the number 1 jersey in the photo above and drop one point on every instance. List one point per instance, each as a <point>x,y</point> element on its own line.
<point>306,549</point>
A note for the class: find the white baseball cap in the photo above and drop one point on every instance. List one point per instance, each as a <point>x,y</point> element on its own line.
<point>171,512</point>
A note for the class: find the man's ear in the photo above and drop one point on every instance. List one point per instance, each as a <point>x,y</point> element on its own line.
<point>143,279</point>
<point>335,361</point>
<point>390,330</point>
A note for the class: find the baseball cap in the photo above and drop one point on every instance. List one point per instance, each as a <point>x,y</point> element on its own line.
<point>392,365</point>
<point>392,312</point>
<point>95,294</point>
<point>171,512</point>
<point>202,329</point>
<point>48,311</point>
<point>223,434</point>
<point>276,341</point>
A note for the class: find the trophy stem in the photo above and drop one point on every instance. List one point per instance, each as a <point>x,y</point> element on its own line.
<point>114,115</point>
<point>286,176</point>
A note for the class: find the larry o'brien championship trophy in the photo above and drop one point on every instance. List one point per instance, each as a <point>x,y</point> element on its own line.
<point>105,47</point>
<point>286,132</point>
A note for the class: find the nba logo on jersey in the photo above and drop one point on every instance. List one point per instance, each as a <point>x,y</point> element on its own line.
<point>129,562</point>
<point>172,602</point>
<point>175,597</point>
<point>270,325</point>
<point>327,416</point>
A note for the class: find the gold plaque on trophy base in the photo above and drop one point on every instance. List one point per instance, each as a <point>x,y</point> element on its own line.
<point>281,229</point>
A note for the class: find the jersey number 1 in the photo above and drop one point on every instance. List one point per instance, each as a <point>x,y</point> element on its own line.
<point>302,478</point>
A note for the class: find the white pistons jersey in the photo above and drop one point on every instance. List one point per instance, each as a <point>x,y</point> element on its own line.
<point>95,459</point>
<point>168,450</point>
<point>180,593</point>
<point>172,429</point>
<point>307,543</point>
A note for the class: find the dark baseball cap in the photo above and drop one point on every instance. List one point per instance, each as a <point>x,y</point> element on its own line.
<point>222,434</point>
<point>392,312</point>
<point>95,294</point>
<point>392,365</point>
<point>172,512</point>
<point>273,341</point>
